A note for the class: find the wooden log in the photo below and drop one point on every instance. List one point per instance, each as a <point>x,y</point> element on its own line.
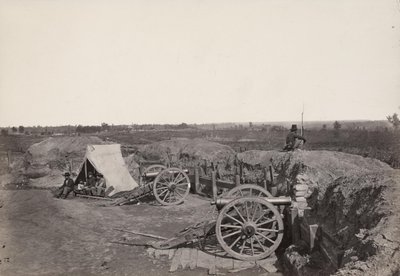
<point>271,175</point>
<point>294,225</point>
<point>142,234</point>
<point>95,197</point>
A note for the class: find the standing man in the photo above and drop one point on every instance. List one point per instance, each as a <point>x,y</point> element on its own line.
<point>293,140</point>
<point>67,187</point>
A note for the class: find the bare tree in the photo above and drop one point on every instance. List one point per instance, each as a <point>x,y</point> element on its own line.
<point>394,120</point>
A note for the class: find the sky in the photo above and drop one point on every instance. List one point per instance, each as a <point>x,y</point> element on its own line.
<point>197,61</point>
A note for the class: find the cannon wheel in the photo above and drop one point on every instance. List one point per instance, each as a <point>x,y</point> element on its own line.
<point>248,190</point>
<point>171,186</point>
<point>249,228</point>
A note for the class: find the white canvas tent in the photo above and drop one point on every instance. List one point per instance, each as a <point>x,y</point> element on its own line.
<point>107,160</point>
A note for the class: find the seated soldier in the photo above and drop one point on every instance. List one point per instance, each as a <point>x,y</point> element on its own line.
<point>90,184</point>
<point>99,189</point>
<point>67,187</point>
<point>293,140</point>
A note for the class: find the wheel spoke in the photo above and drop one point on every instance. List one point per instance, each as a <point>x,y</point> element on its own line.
<point>247,211</point>
<point>265,222</point>
<point>163,192</point>
<point>233,244</point>
<point>180,188</point>
<point>231,226</point>
<point>165,181</point>
<point>255,211</point>
<point>243,246</point>
<point>176,192</point>
<point>258,241</point>
<point>232,234</point>
<point>265,237</point>
<point>263,214</point>
<point>180,179</point>
<point>229,216</point>
<point>268,230</point>
<point>165,197</point>
<point>237,211</point>
<point>182,184</point>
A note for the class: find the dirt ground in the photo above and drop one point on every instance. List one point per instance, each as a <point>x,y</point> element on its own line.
<point>42,235</point>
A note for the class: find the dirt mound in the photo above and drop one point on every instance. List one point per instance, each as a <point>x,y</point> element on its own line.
<point>351,198</point>
<point>189,152</point>
<point>45,162</point>
<point>133,166</point>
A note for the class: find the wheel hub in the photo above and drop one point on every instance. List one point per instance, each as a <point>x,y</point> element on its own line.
<point>172,186</point>
<point>249,229</point>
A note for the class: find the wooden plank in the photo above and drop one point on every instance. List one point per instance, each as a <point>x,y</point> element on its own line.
<point>185,257</point>
<point>176,261</point>
<point>212,269</point>
<point>193,258</point>
<point>94,197</point>
<point>171,253</point>
<point>225,263</point>
<point>203,259</point>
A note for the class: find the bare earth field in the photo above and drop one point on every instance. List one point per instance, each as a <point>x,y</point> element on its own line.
<point>41,235</point>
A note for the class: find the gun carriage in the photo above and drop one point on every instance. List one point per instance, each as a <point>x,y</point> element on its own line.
<point>249,225</point>
<point>169,186</point>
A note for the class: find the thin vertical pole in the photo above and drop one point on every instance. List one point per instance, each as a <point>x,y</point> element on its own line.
<point>265,179</point>
<point>214,185</point>
<point>237,180</point>
<point>270,175</point>
<point>196,180</point>
<point>85,169</point>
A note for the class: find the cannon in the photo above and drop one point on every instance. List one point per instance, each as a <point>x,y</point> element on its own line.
<point>170,186</point>
<point>249,225</point>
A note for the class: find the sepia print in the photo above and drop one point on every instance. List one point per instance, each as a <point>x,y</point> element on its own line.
<point>199,137</point>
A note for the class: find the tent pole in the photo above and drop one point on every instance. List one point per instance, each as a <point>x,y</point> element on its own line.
<point>85,169</point>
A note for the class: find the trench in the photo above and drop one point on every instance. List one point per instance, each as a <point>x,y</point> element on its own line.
<point>347,206</point>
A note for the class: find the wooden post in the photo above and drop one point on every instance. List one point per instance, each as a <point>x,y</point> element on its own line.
<point>271,175</point>
<point>265,179</point>
<point>294,225</point>
<point>140,174</point>
<point>288,188</point>
<point>9,158</point>
<point>237,180</point>
<point>196,180</point>
<point>241,171</point>
<point>85,169</point>
<point>313,235</point>
<point>214,185</point>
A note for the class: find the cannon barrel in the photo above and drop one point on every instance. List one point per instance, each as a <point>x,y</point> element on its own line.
<point>221,202</point>
<point>154,174</point>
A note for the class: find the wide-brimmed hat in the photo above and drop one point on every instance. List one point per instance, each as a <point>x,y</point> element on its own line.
<point>294,128</point>
<point>66,174</point>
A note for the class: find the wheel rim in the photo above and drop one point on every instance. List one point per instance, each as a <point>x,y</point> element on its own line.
<point>249,228</point>
<point>152,169</point>
<point>171,186</point>
<point>248,190</point>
